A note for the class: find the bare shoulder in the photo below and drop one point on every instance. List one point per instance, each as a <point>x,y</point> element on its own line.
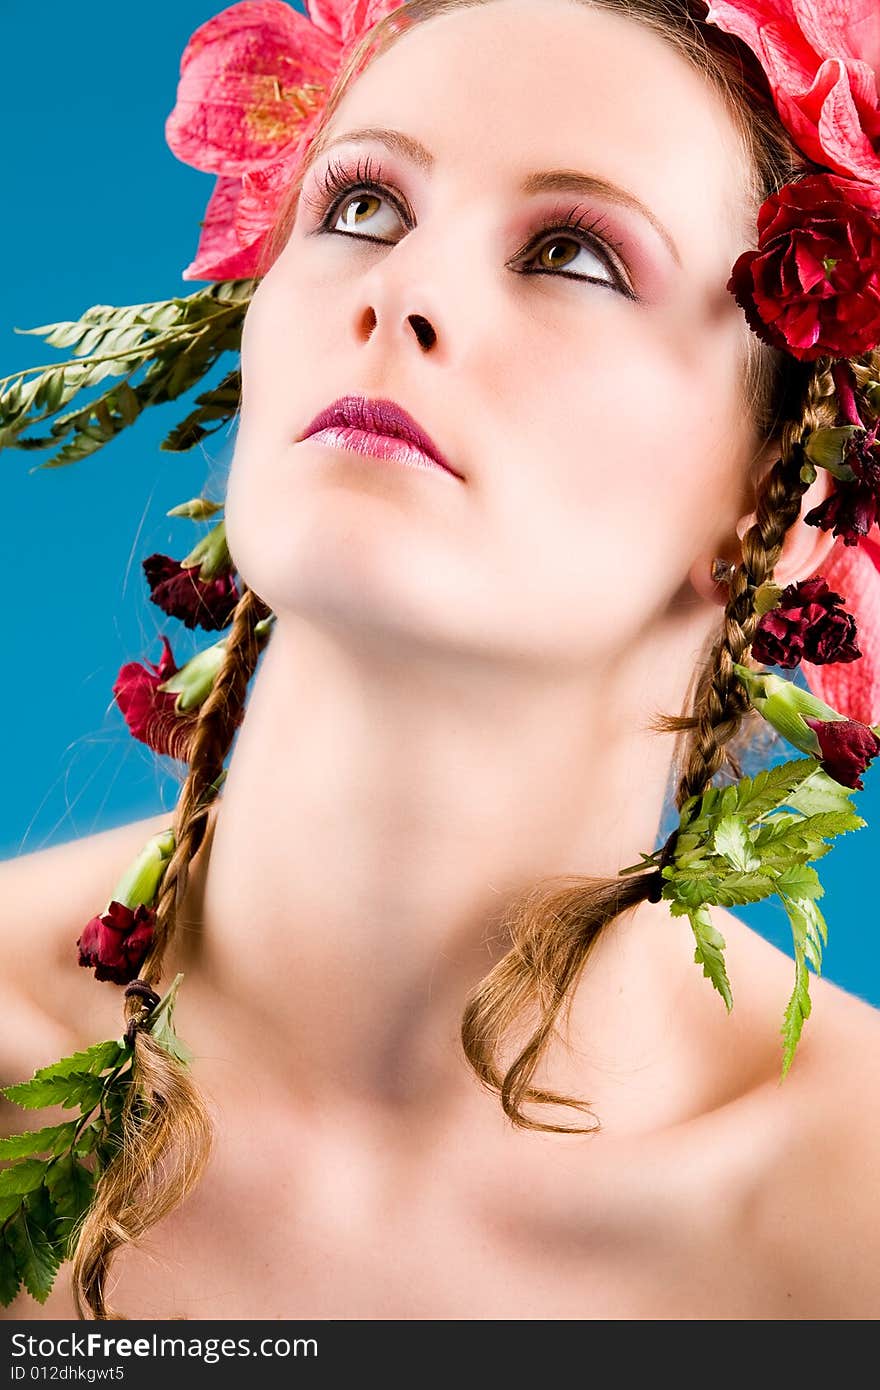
<point>46,898</point>
<point>821,1216</point>
<point>50,1007</point>
<point>809,1218</point>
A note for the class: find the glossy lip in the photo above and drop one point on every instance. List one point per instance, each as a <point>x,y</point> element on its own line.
<point>379,416</point>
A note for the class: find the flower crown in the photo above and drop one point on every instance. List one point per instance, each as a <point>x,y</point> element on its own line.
<point>254,81</point>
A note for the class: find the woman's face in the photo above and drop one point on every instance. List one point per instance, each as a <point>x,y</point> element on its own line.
<point>586,382</point>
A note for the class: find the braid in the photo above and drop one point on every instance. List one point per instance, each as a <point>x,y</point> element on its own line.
<point>167,1131</point>
<point>552,933</point>
<point>210,741</point>
<point>720,703</point>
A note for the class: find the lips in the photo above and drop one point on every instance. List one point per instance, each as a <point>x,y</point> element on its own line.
<point>382,417</point>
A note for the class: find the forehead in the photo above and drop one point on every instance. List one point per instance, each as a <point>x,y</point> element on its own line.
<point>498,90</point>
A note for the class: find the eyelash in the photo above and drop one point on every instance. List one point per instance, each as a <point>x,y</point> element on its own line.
<point>340,179</point>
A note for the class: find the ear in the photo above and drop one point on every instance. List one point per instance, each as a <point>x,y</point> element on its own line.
<point>804,549</point>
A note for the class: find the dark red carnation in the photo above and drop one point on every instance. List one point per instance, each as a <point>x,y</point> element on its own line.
<point>115,943</point>
<point>181,593</point>
<point>852,508</point>
<point>148,711</point>
<point>808,624</point>
<point>847,748</point>
<point>812,287</point>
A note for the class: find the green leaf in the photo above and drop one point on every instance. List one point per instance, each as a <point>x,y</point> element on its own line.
<point>821,793</point>
<point>161,1024</point>
<point>175,341</point>
<point>71,1187</point>
<point>10,1204</point>
<point>809,935</point>
<point>797,1011</point>
<point>725,889</point>
<point>799,881</point>
<point>103,1056</point>
<point>729,798</point>
<point>10,1281</point>
<point>772,787</point>
<point>128,403</point>
<point>53,1139</point>
<point>25,1176</point>
<point>36,1259</point>
<point>795,830</point>
<point>87,1140</point>
<point>80,1088</point>
<point>710,953</point>
<point>213,408</point>
<point>732,840</point>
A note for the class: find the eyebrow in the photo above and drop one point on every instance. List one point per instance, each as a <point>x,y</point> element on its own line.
<point>548,180</point>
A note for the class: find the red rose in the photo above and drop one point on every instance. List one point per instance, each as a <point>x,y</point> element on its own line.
<point>181,593</point>
<point>809,624</point>
<point>812,287</point>
<point>847,748</point>
<point>115,943</point>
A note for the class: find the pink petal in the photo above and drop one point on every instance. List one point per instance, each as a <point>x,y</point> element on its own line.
<point>853,687</point>
<point>361,15</point>
<point>766,26</point>
<point>846,147</point>
<point>822,60</point>
<point>263,193</point>
<point>328,15</point>
<point>241,97</point>
<point>850,28</point>
<point>221,255</point>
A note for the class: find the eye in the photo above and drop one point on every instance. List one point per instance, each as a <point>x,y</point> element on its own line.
<point>354,211</point>
<point>353,199</point>
<point>561,245</point>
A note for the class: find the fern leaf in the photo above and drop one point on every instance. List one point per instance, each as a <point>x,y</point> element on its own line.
<point>809,933</point>
<point>710,953</point>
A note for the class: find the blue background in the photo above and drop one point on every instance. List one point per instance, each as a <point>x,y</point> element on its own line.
<point>96,209</point>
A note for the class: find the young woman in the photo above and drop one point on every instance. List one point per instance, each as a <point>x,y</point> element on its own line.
<point>516,226</point>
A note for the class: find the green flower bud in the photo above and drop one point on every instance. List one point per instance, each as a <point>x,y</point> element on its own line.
<point>827,449</point>
<point>141,879</point>
<point>767,596</point>
<point>211,553</point>
<point>808,472</point>
<point>193,681</point>
<point>784,704</point>
<point>197,509</point>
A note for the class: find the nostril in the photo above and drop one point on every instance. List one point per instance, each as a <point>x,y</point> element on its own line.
<point>423,330</point>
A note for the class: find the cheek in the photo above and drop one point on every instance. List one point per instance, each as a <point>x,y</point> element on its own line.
<point>272,357</point>
<point>602,501</point>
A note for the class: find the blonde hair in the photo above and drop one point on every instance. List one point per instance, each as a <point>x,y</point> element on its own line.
<point>553,928</point>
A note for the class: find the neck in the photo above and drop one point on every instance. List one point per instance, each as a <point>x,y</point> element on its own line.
<point>378,819</point>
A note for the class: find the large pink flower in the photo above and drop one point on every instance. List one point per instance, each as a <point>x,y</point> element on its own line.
<point>253,82</point>
<point>822,60</point>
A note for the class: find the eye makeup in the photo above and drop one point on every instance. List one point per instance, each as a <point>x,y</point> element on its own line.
<point>341,179</point>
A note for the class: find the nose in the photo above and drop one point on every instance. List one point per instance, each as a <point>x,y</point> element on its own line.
<point>413,325</point>
<point>409,298</point>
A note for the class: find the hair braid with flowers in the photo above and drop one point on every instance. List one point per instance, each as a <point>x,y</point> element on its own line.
<point>210,741</point>
<point>721,703</point>
<point>152,1137</point>
<point>167,1136</point>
